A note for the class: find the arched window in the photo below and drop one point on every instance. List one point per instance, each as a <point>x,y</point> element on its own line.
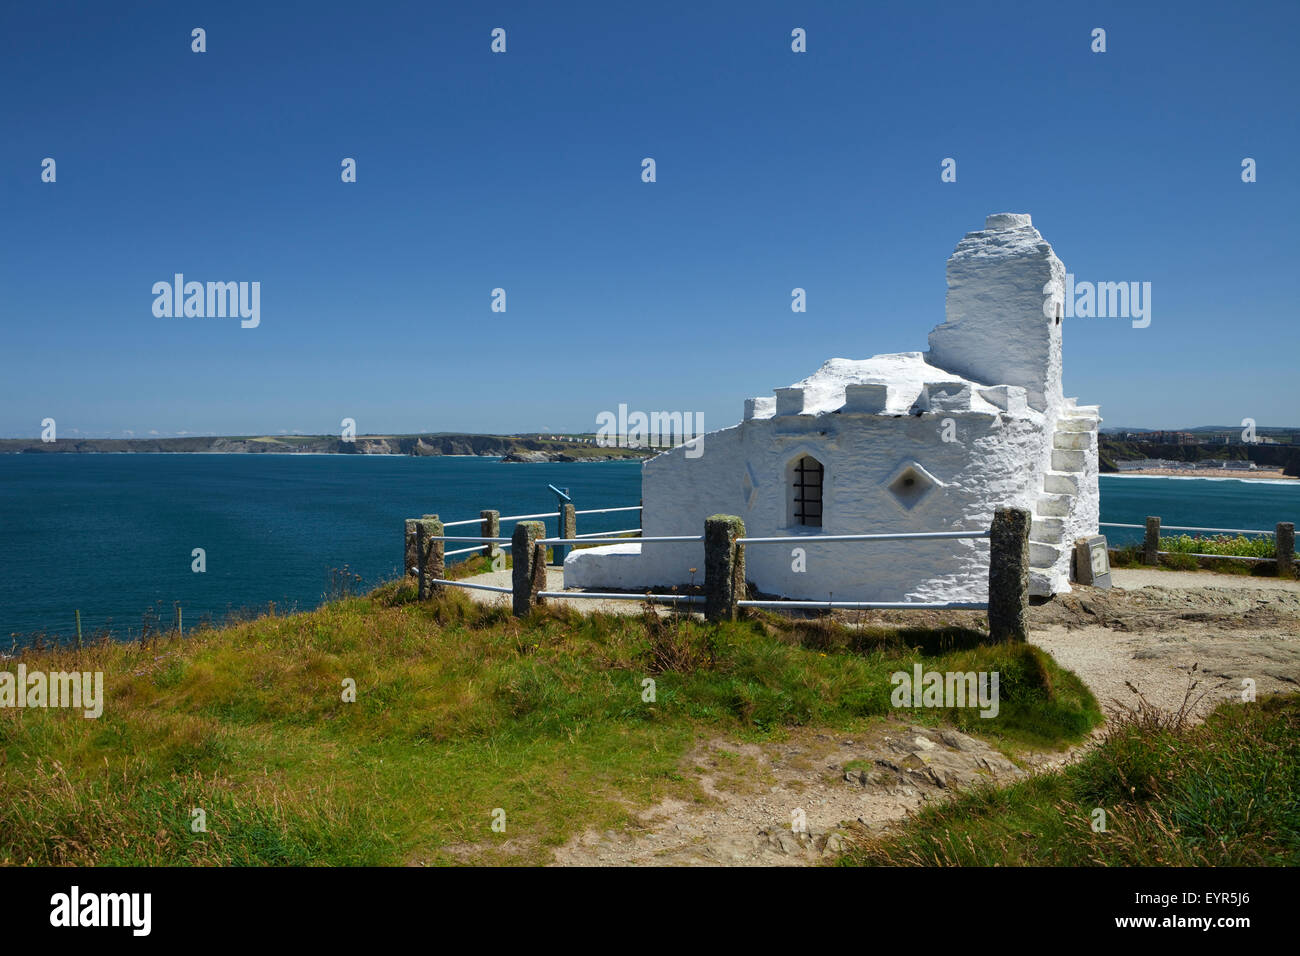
<point>807,476</point>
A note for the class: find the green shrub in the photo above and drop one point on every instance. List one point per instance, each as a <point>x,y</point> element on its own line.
<point>1243,546</point>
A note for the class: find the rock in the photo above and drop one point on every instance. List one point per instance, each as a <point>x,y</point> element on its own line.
<point>530,457</point>
<point>959,741</point>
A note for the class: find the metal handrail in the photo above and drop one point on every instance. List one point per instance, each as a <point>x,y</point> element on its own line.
<point>683,538</point>
<point>1177,527</point>
<point>599,534</point>
<point>876,605</point>
<point>476,587</point>
<point>620,596</point>
<point>813,538</point>
<point>605,511</point>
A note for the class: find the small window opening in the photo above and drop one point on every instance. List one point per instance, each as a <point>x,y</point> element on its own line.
<point>808,478</point>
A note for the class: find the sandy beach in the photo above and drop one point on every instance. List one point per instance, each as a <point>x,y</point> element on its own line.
<point>1271,474</point>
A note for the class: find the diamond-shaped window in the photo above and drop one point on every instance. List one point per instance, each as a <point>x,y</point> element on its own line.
<point>911,485</point>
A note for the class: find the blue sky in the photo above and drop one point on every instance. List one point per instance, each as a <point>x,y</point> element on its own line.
<point>523,171</point>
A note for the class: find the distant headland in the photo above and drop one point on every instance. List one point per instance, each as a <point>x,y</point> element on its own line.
<point>509,448</point>
<point>1201,452</point>
<point>1277,450</point>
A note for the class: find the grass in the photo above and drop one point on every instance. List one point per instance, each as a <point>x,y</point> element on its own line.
<point>460,709</point>
<point>1224,793</point>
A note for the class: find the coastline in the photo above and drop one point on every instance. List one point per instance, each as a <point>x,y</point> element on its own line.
<point>1271,475</point>
<point>508,449</point>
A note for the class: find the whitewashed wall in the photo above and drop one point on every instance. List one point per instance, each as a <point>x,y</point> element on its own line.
<point>861,453</point>
<point>993,371</point>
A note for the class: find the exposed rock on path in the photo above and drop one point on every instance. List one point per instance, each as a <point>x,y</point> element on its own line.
<point>753,795</point>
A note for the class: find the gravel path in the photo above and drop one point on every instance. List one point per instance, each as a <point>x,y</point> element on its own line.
<point>1130,578</point>
<point>1151,629</point>
<point>554,582</point>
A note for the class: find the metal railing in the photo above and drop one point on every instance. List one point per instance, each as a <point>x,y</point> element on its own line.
<point>1283,542</point>
<point>875,605</point>
<point>891,536</point>
<point>506,542</point>
<point>869,605</point>
<point>624,596</point>
<point>1178,527</point>
<point>615,537</point>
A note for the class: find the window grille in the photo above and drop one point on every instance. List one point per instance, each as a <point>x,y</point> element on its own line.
<point>808,476</point>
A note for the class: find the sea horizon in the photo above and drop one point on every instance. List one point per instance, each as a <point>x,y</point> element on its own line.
<point>274,525</point>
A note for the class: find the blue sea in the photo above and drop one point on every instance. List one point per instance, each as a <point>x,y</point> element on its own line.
<point>113,535</point>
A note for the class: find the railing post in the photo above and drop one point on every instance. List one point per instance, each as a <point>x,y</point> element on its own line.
<point>529,571</point>
<point>724,566</point>
<point>1151,546</point>
<point>411,552</point>
<point>568,521</point>
<point>1009,575</point>
<point>490,527</point>
<point>1284,544</point>
<point>432,562</point>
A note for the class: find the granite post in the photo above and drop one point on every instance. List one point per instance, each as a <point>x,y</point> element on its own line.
<point>529,571</point>
<point>724,566</point>
<point>568,521</point>
<point>1009,575</point>
<point>490,527</point>
<point>1151,546</point>
<point>431,558</point>
<point>1285,546</point>
<point>411,554</point>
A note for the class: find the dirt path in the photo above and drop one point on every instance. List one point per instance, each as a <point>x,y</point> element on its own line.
<point>783,804</point>
<point>1147,632</point>
<point>554,582</point>
<point>1151,629</point>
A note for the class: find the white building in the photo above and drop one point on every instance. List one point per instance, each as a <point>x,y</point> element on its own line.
<point>912,441</point>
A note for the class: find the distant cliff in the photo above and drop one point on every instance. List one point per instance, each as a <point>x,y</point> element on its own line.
<point>507,447</point>
<point>1111,450</point>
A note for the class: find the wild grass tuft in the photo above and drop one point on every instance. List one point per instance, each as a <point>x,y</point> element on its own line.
<point>1173,793</point>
